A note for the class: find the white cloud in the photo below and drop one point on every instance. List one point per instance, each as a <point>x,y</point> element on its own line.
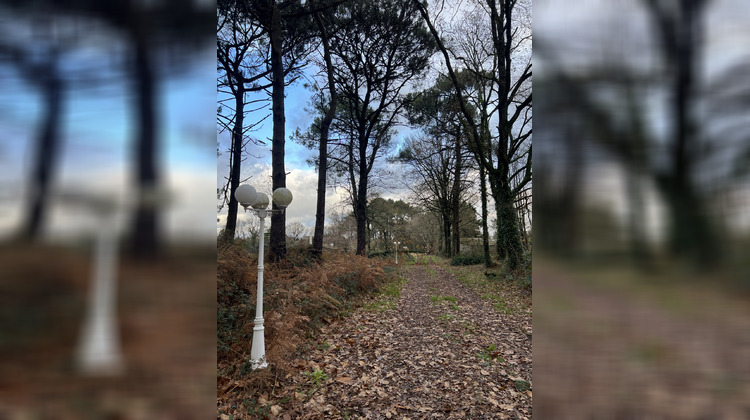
<point>302,182</point>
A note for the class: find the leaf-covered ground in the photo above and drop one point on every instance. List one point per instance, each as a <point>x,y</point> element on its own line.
<point>439,351</point>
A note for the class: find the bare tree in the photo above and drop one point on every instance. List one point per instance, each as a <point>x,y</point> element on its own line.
<point>296,231</point>
<point>241,69</point>
<point>380,49</point>
<point>507,144</point>
<point>325,125</point>
<point>670,159</point>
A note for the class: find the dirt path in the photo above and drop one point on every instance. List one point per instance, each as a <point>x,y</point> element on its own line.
<point>684,355</point>
<point>440,352</point>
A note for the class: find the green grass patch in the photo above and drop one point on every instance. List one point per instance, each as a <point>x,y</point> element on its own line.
<point>256,409</point>
<point>392,289</point>
<point>469,327</point>
<point>521,385</point>
<point>447,317</point>
<point>490,354</point>
<point>387,295</point>
<point>500,305</point>
<point>504,291</point>
<point>423,259</point>
<point>437,299</point>
<point>380,305</point>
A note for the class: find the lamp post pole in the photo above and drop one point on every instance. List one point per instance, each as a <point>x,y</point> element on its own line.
<point>258,351</point>
<point>248,197</point>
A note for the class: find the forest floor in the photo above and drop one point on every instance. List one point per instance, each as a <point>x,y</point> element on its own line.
<point>445,348</point>
<point>167,330</point>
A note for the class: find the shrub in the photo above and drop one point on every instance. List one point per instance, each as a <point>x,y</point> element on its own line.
<point>299,296</point>
<point>379,254</point>
<point>467,260</point>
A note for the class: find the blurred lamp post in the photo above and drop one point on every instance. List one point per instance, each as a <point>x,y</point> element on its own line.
<point>248,197</point>
<point>99,345</point>
<point>397,243</point>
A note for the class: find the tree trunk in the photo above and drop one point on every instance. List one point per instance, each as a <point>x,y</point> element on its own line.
<point>499,242</point>
<point>45,160</point>
<point>145,228</point>
<point>361,214</point>
<point>691,234</point>
<point>278,220</point>
<point>485,229</point>
<point>320,207</point>
<point>507,227</point>
<point>637,216</point>
<point>456,197</point>
<point>325,125</point>
<point>234,175</point>
<point>447,235</point>
<point>361,205</point>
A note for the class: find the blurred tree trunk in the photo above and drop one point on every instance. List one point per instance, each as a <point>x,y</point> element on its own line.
<point>679,28</point>
<point>46,152</point>
<point>145,241</point>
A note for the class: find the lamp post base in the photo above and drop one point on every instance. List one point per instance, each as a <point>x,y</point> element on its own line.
<point>258,350</point>
<point>258,364</point>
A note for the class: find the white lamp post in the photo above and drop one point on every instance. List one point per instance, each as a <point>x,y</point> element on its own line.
<point>396,244</point>
<point>248,197</point>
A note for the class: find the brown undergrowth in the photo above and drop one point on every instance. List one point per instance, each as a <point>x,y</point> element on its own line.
<point>299,297</point>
